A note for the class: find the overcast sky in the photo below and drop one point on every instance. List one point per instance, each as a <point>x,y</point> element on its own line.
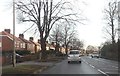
<point>91,33</point>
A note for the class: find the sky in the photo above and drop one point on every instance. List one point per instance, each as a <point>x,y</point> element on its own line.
<point>91,33</point>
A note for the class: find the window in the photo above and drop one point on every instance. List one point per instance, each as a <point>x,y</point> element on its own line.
<point>23,45</point>
<point>18,44</point>
<point>0,44</point>
<point>74,52</point>
<point>15,44</point>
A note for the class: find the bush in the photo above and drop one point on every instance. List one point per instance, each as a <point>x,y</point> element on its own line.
<point>23,52</point>
<point>110,51</point>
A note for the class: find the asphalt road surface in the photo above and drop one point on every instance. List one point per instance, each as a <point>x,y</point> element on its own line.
<point>88,66</point>
<point>105,66</point>
<point>72,68</point>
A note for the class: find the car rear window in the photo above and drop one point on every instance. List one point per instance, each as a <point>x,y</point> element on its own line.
<point>74,52</point>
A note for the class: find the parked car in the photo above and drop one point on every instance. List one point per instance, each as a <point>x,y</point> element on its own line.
<point>95,55</point>
<point>19,58</point>
<point>74,55</point>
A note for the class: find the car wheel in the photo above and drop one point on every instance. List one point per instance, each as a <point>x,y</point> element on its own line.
<point>79,61</point>
<point>68,61</point>
<point>92,56</point>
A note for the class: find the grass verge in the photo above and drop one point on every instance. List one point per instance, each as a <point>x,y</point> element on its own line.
<point>23,69</point>
<point>52,59</point>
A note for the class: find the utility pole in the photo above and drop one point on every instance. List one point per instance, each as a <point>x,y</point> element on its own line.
<point>14,54</point>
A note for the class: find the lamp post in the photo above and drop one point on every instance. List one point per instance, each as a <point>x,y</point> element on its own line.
<point>14,54</point>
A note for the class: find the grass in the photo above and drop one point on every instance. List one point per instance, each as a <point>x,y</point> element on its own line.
<point>23,69</point>
<point>52,59</point>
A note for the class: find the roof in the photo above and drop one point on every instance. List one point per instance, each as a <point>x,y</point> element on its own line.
<point>26,41</point>
<point>35,43</point>
<point>3,33</point>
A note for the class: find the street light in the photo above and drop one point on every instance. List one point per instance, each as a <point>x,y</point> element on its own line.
<point>14,54</point>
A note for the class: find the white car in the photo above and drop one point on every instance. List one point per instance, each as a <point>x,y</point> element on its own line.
<point>95,55</point>
<point>74,55</point>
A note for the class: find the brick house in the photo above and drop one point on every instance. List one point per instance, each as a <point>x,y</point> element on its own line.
<point>6,45</point>
<point>7,41</point>
<point>36,46</point>
<point>29,46</point>
<point>52,46</point>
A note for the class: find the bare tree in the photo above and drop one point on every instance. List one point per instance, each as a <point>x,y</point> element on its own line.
<point>111,15</point>
<point>76,43</point>
<point>56,36</point>
<point>68,33</point>
<point>44,13</point>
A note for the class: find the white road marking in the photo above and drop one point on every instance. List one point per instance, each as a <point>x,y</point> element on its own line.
<point>102,72</point>
<point>96,68</point>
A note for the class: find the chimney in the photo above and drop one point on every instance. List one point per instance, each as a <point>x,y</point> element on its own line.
<point>21,36</point>
<point>53,43</point>
<point>7,30</point>
<point>46,41</point>
<point>31,38</point>
<point>39,41</point>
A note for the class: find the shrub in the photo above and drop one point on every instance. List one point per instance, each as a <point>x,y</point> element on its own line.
<point>23,52</point>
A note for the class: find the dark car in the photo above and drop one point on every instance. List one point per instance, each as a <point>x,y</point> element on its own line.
<point>19,58</point>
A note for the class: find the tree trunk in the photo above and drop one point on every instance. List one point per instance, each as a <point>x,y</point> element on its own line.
<point>66,50</point>
<point>113,34</point>
<point>43,49</point>
<point>113,37</point>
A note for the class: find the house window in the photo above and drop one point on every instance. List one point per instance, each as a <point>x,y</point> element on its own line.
<point>18,44</point>
<point>15,44</point>
<point>23,45</point>
<point>0,44</point>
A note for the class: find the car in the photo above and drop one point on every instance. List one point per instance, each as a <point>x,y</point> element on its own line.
<point>74,55</point>
<point>19,58</point>
<point>95,55</point>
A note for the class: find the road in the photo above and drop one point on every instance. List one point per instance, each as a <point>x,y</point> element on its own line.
<point>88,66</point>
<point>105,66</point>
<point>73,68</point>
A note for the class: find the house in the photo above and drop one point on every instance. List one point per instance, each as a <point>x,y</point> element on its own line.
<point>29,46</point>
<point>52,46</point>
<point>7,45</point>
<point>36,46</point>
<point>7,41</point>
<point>62,49</point>
<point>47,46</point>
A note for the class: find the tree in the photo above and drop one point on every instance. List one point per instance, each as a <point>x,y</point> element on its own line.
<point>90,49</point>
<point>111,15</point>
<point>44,13</point>
<point>68,33</point>
<point>76,44</point>
<point>56,36</point>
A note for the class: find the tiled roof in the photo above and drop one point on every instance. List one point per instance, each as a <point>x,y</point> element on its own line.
<point>35,43</point>
<point>10,35</point>
<point>26,41</point>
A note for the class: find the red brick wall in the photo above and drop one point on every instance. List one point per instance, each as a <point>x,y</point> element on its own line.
<point>1,43</point>
<point>7,44</point>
